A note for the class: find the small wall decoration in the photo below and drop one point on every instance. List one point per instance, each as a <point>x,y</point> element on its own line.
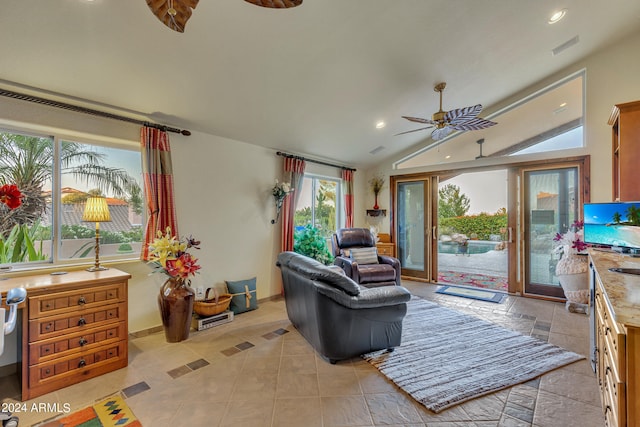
<point>376,183</point>
<point>279,191</point>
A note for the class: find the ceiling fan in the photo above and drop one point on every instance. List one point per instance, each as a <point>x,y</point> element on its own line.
<point>175,13</point>
<point>445,122</point>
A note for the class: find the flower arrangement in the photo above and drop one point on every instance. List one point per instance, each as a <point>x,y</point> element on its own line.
<point>376,184</point>
<point>10,195</point>
<point>169,255</point>
<point>571,242</point>
<point>280,190</point>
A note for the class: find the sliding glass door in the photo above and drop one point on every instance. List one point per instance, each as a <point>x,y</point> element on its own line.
<point>413,226</point>
<point>551,202</point>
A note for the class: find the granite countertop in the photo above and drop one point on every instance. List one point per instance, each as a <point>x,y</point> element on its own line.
<point>623,290</point>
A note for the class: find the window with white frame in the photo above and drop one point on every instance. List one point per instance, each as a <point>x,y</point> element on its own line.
<point>320,205</point>
<point>56,175</point>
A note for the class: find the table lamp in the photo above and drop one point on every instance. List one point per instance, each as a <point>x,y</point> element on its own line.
<point>96,210</point>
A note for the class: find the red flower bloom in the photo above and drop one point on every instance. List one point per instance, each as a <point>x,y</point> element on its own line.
<point>10,195</point>
<point>183,266</point>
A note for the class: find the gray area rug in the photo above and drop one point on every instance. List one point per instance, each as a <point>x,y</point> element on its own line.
<point>448,357</point>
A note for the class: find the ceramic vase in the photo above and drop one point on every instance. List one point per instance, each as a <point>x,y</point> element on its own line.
<point>572,273</point>
<point>375,206</point>
<point>176,306</point>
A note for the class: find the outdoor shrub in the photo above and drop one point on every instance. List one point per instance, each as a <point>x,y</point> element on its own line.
<point>125,247</point>
<point>481,225</point>
<point>309,242</point>
<point>77,231</point>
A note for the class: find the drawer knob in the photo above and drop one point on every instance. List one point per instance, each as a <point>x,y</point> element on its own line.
<point>48,327</point>
<point>48,371</point>
<point>82,341</point>
<point>82,301</point>
<point>82,322</point>
<point>82,363</point>
<point>48,305</point>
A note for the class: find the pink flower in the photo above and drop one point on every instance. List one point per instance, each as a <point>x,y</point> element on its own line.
<point>10,195</point>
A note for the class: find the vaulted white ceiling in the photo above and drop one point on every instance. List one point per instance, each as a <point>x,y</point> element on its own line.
<point>312,80</point>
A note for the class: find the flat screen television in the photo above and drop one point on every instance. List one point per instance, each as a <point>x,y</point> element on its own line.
<point>612,224</point>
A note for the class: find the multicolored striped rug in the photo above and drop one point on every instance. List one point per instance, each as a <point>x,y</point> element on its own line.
<point>110,412</point>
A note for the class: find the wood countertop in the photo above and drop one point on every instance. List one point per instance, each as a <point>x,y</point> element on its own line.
<point>622,290</point>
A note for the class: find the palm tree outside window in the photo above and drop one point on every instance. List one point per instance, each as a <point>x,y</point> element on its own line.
<point>56,176</point>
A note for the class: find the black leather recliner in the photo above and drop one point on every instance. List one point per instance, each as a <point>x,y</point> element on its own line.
<point>385,272</point>
<point>339,318</point>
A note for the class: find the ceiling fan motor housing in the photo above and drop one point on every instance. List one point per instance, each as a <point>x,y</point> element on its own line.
<point>439,118</point>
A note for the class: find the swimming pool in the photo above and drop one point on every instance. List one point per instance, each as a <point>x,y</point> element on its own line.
<point>474,247</point>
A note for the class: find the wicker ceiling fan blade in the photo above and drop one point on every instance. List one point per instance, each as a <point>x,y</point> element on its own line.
<point>173,13</point>
<point>419,120</point>
<point>474,124</point>
<point>276,4</point>
<point>438,134</point>
<point>414,130</point>
<point>462,115</point>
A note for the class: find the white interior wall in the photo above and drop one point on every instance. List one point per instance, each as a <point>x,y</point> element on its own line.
<point>223,197</point>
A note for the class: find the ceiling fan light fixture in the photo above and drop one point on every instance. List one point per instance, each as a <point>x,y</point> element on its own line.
<point>173,13</point>
<point>557,16</point>
<point>380,124</point>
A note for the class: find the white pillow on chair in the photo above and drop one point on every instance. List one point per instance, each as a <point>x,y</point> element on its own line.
<point>365,255</point>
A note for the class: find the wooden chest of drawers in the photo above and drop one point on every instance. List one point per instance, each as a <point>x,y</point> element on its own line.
<point>388,249</point>
<point>74,328</point>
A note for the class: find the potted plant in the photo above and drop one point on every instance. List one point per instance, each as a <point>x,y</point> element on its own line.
<point>309,242</point>
<point>168,255</point>
<point>572,269</point>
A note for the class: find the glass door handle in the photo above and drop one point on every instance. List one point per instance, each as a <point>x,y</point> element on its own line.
<point>509,234</point>
<point>434,234</point>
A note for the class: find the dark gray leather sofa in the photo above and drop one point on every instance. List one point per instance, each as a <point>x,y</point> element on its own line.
<point>338,317</point>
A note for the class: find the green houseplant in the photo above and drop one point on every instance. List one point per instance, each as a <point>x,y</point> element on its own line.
<point>309,242</point>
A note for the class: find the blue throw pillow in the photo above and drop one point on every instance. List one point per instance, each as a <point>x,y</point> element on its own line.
<point>244,297</point>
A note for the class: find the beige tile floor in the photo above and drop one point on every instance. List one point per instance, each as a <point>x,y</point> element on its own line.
<point>278,380</point>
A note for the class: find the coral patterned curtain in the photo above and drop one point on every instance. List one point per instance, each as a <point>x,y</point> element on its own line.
<point>293,173</point>
<point>157,173</point>
<point>347,185</point>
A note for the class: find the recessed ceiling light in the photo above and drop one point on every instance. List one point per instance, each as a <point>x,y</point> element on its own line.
<point>557,16</point>
<point>380,125</point>
<point>564,104</point>
<point>447,157</point>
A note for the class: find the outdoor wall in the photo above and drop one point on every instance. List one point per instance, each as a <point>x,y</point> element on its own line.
<point>612,77</point>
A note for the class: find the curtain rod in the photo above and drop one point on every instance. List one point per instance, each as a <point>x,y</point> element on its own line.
<point>291,156</point>
<point>78,109</point>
